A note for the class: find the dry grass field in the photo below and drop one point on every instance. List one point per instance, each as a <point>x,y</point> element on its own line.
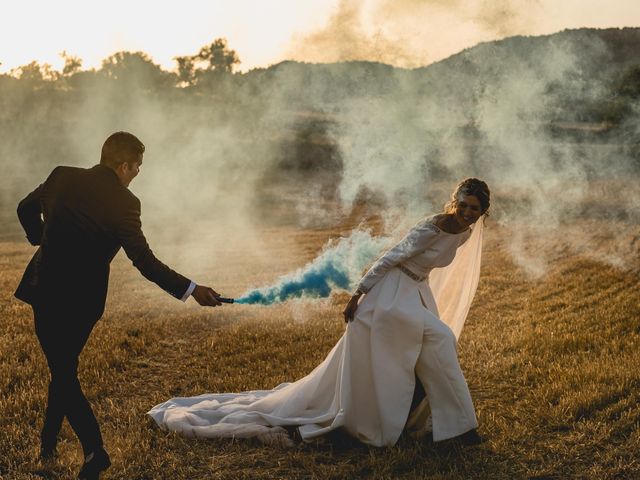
<point>552,364</point>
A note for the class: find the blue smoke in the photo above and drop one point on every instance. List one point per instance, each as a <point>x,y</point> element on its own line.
<point>339,266</point>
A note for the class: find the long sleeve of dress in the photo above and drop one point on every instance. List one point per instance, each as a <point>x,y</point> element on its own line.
<point>415,242</point>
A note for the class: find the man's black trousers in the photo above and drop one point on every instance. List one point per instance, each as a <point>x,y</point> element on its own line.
<point>62,334</point>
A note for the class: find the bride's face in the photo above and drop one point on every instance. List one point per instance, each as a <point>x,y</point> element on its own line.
<point>468,210</point>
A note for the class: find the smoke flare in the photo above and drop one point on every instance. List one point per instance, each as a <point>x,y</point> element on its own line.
<point>338,266</point>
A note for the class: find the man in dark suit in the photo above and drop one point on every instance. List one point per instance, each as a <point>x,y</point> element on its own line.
<point>80,218</point>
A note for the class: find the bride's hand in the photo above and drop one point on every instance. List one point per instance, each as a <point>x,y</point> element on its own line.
<point>350,310</point>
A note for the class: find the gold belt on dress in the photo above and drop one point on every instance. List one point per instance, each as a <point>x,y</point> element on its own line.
<point>411,275</point>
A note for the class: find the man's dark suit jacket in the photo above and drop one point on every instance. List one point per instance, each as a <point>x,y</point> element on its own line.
<point>80,218</point>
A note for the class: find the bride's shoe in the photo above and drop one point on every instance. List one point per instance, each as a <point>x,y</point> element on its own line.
<point>470,438</point>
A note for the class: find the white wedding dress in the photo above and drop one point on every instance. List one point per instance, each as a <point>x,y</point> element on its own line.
<point>403,327</point>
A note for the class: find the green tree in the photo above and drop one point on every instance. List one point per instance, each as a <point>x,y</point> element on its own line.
<point>30,72</point>
<point>71,64</point>
<point>135,69</point>
<point>186,70</point>
<point>219,57</point>
<point>210,66</point>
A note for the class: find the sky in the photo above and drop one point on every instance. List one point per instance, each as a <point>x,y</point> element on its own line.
<point>406,33</point>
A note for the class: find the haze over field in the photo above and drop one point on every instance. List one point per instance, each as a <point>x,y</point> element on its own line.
<point>550,122</point>
<point>553,132</point>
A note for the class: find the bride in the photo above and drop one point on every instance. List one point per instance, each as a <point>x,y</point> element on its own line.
<point>402,322</point>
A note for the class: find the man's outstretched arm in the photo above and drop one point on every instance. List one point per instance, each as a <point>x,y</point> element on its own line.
<point>132,239</point>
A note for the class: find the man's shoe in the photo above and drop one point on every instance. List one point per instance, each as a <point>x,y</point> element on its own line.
<point>95,463</point>
<point>48,458</point>
<point>47,454</point>
<point>470,438</point>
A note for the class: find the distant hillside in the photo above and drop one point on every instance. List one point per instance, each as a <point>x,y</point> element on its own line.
<point>615,48</point>
<point>580,69</point>
<point>583,69</point>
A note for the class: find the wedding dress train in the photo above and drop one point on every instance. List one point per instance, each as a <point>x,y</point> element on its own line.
<point>403,327</point>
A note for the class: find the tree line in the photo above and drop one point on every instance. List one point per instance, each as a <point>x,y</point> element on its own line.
<point>212,61</point>
<point>211,71</point>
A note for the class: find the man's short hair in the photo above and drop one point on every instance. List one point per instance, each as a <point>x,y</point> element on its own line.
<point>121,147</point>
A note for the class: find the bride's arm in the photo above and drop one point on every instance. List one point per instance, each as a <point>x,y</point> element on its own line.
<point>415,242</point>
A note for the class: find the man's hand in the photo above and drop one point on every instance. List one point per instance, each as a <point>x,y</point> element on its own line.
<point>205,296</point>
<point>352,306</point>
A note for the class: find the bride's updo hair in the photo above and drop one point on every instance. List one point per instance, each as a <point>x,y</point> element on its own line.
<point>470,186</point>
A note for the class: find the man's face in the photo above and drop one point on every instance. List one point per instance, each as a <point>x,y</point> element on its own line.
<point>128,171</point>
